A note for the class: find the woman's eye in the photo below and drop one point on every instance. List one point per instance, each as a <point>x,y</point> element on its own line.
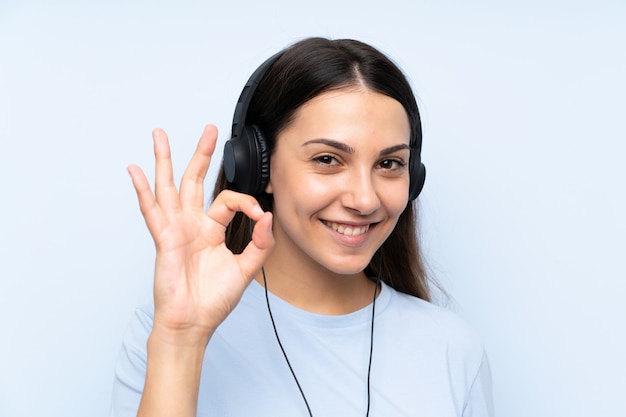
<point>325,159</point>
<point>391,164</point>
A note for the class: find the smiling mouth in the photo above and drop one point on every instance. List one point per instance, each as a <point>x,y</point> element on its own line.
<point>347,230</point>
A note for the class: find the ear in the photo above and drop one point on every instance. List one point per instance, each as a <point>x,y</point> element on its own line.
<point>268,187</point>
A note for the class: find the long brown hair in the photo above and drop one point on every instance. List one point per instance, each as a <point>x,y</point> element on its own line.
<point>311,67</point>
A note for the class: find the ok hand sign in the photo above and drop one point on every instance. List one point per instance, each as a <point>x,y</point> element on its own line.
<point>198,281</point>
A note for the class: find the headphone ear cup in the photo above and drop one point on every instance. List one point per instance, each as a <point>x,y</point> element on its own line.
<point>262,156</point>
<point>417,172</point>
<point>247,161</point>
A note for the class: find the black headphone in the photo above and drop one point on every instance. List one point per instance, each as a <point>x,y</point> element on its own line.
<point>246,154</point>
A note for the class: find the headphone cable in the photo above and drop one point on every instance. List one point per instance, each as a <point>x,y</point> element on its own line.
<point>369,366</point>
<point>269,309</point>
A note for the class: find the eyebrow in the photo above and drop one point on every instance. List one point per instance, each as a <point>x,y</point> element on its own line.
<point>349,149</point>
<point>393,149</point>
<point>332,143</point>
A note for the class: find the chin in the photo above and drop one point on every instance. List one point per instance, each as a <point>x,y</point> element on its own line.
<point>347,268</point>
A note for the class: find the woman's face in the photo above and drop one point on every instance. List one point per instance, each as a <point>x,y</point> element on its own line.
<point>340,180</point>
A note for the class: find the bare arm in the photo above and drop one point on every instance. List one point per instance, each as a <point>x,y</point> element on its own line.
<point>197,281</point>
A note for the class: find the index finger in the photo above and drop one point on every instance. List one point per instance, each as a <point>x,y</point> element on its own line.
<point>228,202</point>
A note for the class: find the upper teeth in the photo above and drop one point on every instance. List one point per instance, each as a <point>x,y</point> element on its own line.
<point>348,230</point>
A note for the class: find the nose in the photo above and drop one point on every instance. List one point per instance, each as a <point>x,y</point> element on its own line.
<point>360,192</point>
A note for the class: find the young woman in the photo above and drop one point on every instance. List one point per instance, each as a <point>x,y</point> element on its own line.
<point>301,290</point>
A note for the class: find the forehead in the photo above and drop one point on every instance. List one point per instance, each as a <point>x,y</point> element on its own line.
<point>351,115</point>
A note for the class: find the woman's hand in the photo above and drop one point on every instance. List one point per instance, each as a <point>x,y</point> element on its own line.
<point>198,280</point>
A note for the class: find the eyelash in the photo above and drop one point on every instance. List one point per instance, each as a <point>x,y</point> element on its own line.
<point>399,163</point>
<point>327,160</point>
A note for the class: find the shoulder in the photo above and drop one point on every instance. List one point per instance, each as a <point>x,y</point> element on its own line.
<point>130,369</point>
<point>436,326</point>
<point>443,358</point>
<point>139,328</point>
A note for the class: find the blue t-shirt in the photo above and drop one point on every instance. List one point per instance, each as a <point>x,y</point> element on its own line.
<point>426,362</point>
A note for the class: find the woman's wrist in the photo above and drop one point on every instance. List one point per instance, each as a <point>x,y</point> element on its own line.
<point>173,373</point>
<point>181,339</point>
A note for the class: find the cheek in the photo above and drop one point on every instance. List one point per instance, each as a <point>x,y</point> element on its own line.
<point>304,194</point>
<point>297,183</point>
<point>395,197</point>
<point>291,188</point>
<point>396,210</point>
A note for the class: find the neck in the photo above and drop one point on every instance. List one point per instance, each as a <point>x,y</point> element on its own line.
<point>317,290</point>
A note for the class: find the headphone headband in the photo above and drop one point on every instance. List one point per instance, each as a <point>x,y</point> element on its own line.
<point>241,109</point>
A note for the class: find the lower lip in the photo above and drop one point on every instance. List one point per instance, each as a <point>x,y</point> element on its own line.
<point>352,241</point>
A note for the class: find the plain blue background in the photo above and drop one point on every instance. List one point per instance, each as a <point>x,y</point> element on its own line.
<point>523,108</point>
